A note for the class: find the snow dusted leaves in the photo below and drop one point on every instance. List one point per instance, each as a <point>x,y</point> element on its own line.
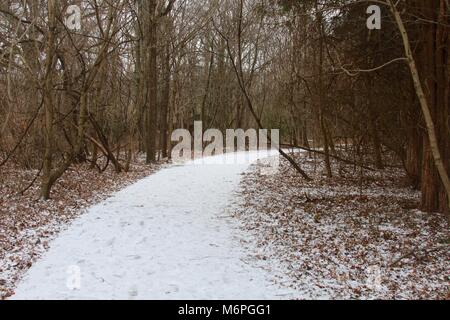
<point>349,237</point>
<point>27,225</point>
<point>165,237</point>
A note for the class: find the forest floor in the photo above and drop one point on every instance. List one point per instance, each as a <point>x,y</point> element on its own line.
<point>222,232</point>
<point>357,235</point>
<point>169,236</point>
<point>28,225</point>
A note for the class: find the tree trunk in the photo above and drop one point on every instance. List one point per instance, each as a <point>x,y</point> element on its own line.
<point>434,102</point>
<point>46,183</point>
<point>152,74</point>
<point>320,93</point>
<point>165,99</point>
<point>414,149</point>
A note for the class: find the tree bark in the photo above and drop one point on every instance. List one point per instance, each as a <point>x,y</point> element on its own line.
<point>320,93</point>
<point>46,183</point>
<point>165,100</point>
<point>434,104</point>
<point>152,81</point>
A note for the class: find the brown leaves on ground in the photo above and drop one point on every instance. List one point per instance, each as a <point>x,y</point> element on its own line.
<point>357,235</point>
<point>28,224</point>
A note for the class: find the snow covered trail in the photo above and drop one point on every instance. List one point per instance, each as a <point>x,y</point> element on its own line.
<point>166,237</point>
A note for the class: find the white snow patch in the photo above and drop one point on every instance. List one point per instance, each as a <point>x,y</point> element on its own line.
<point>165,237</point>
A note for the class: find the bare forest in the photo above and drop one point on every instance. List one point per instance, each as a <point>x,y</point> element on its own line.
<point>91,92</point>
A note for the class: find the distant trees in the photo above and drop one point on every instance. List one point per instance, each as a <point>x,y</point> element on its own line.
<point>139,69</point>
<point>372,100</point>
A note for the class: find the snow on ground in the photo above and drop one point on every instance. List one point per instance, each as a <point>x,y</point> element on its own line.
<point>168,236</point>
<point>358,235</point>
<point>27,224</point>
<point>174,235</point>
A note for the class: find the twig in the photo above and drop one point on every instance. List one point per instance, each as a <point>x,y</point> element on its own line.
<point>417,251</point>
<point>32,182</point>
<point>331,155</point>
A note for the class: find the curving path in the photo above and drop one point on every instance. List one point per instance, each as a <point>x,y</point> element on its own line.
<point>166,237</point>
